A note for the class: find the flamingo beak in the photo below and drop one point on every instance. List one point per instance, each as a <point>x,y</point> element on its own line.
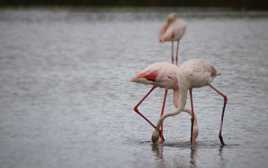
<point>138,79</point>
<point>135,79</point>
<point>145,77</point>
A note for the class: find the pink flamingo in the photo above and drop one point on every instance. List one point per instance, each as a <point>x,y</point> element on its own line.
<point>173,30</point>
<point>194,73</point>
<point>166,73</point>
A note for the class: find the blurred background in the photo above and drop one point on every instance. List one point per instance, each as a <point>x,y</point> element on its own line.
<point>236,4</point>
<point>66,100</point>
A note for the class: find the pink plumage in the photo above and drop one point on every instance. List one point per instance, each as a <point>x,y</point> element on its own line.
<point>194,73</point>
<point>173,29</point>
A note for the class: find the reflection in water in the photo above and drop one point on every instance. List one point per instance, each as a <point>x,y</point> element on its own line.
<point>222,160</point>
<point>158,150</point>
<point>59,66</point>
<point>193,156</point>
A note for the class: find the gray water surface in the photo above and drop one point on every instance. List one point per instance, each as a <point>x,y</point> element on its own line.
<point>65,99</point>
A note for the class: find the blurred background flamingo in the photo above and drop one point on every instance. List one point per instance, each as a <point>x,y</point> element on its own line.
<point>172,30</point>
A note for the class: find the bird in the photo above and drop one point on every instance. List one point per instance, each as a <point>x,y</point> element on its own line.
<point>194,73</point>
<point>165,72</point>
<point>173,29</point>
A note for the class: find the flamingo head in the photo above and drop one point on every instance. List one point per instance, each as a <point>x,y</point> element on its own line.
<point>145,77</point>
<point>155,136</point>
<point>162,39</point>
<point>171,18</point>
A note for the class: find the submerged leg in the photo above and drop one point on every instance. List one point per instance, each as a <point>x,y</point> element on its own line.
<point>161,114</point>
<point>140,102</point>
<point>194,128</point>
<point>182,101</point>
<point>223,110</point>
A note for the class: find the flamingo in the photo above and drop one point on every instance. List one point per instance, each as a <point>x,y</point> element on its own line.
<point>173,30</point>
<point>166,75</point>
<point>194,73</point>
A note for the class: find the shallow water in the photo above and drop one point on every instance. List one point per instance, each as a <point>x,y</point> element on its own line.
<point>66,101</point>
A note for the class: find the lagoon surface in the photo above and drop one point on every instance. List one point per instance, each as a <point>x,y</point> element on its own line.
<point>65,99</point>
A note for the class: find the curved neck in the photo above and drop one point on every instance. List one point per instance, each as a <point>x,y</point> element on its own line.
<point>163,29</point>
<point>181,94</point>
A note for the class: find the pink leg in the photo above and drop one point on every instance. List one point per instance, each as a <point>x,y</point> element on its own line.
<point>161,114</point>
<point>177,53</point>
<point>139,103</point>
<point>172,51</point>
<point>193,120</point>
<point>223,110</point>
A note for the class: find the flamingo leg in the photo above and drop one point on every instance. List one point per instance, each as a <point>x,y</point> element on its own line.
<point>140,102</point>
<point>177,53</point>
<point>172,51</point>
<point>223,110</point>
<point>194,132</point>
<point>161,114</point>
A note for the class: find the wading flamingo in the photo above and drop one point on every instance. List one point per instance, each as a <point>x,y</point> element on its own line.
<point>173,30</point>
<point>194,73</point>
<point>165,73</point>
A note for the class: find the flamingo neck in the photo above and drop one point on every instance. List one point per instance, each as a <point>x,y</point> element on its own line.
<point>164,29</point>
<point>180,97</point>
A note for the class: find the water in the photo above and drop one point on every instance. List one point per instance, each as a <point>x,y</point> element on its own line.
<point>66,101</point>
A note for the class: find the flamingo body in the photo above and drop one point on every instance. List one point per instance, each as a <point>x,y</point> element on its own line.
<point>191,74</point>
<point>163,75</point>
<point>173,31</point>
<point>199,72</point>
